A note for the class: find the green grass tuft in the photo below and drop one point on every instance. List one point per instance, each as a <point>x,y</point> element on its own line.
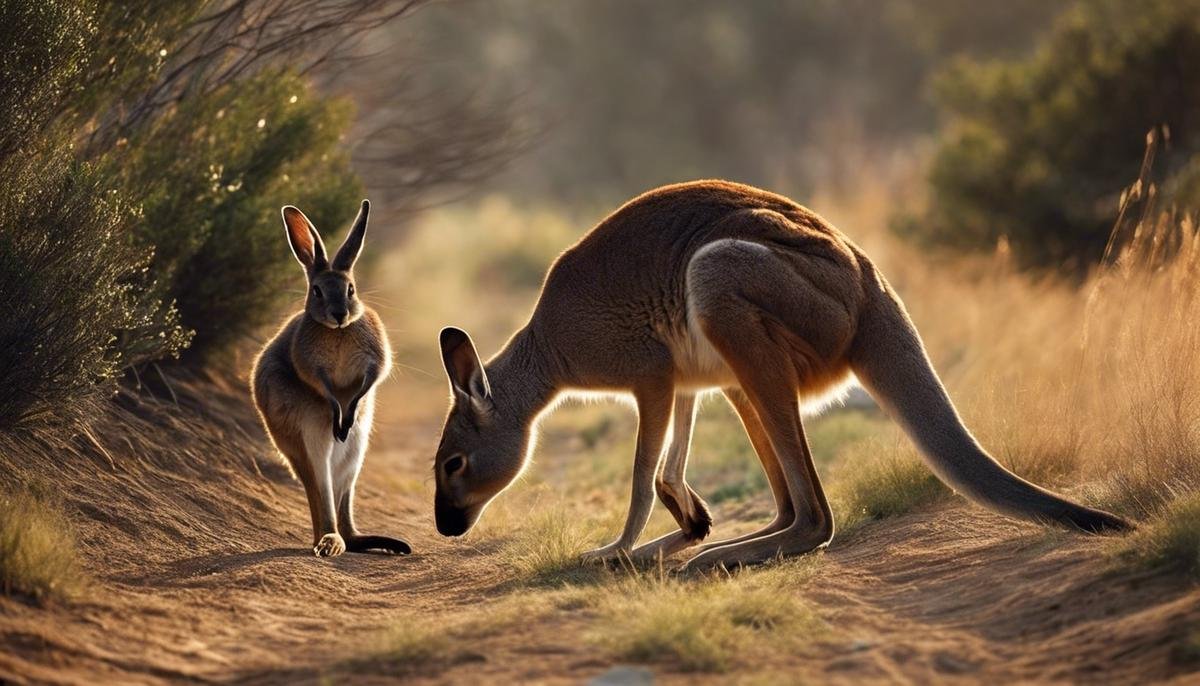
<point>1169,540</point>
<point>704,625</point>
<point>888,485</point>
<point>545,549</point>
<point>38,549</point>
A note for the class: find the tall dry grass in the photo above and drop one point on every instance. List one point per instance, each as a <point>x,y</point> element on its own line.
<point>1090,386</point>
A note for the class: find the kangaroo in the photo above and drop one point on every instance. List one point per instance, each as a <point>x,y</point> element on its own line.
<point>713,285</point>
<point>314,386</point>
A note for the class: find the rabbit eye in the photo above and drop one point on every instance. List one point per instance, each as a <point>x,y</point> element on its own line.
<point>350,290</point>
<point>317,291</point>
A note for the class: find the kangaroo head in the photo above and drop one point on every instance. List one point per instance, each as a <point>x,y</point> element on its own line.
<point>483,443</point>
<point>332,299</point>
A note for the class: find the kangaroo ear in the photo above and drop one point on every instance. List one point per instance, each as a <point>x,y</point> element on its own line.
<point>304,239</point>
<point>468,380</point>
<point>348,253</point>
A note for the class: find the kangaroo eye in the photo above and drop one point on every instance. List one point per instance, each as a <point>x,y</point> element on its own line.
<point>454,465</point>
<point>317,291</point>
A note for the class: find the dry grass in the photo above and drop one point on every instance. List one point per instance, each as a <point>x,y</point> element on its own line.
<point>708,625</point>
<point>545,549</point>
<point>420,640</point>
<point>38,554</point>
<point>1091,387</point>
<point>892,482</point>
<point>1170,540</point>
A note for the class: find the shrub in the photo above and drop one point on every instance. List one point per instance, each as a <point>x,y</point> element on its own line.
<point>212,177</point>
<point>79,303</point>
<point>108,249</point>
<point>73,317</point>
<point>1039,150</point>
<point>40,77</point>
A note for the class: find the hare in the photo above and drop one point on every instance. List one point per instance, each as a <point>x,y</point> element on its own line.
<point>712,285</point>
<point>314,386</point>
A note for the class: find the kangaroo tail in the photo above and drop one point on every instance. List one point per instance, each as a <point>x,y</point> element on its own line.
<point>889,359</point>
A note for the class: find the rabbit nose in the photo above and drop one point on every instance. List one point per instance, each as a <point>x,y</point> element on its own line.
<point>340,316</point>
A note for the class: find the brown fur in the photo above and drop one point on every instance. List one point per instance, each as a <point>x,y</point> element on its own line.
<point>314,387</point>
<point>706,285</point>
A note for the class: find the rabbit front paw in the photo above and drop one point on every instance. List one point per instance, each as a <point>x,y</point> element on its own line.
<point>341,428</point>
<point>341,433</point>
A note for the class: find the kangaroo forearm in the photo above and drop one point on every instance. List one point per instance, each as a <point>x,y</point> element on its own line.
<point>327,386</point>
<point>370,378</point>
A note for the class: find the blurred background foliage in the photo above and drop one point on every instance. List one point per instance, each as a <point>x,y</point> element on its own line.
<point>1037,150</point>
<point>146,146</point>
<point>630,95</point>
<point>1036,111</point>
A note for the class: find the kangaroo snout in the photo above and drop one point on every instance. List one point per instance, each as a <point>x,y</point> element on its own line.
<point>451,520</point>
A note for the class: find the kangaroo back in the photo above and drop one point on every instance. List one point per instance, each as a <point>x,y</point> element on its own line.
<point>889,359</point>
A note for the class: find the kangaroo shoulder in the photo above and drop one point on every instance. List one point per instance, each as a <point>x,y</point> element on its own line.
<point>372,338</point>
<point>275,359</point>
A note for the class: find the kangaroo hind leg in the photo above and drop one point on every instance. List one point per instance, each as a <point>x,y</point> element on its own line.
<point>318,483</point>
<point>347,469</point>
<point>779,332</point>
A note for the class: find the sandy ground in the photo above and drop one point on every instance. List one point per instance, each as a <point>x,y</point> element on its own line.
<point>203,573</point>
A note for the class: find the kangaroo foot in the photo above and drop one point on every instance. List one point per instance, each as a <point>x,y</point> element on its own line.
<point>663,547</point>
<point>330,545</point>
<point>614,552</point>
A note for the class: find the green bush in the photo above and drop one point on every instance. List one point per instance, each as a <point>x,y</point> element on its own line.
<point>1038,151</point>
<point>124,233</point>
<point>212,177</point>
<point>73,316</point>
<point>39,78</point>
<point>76,304</point>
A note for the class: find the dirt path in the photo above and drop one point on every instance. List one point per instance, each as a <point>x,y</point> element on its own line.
<point>210,580</point>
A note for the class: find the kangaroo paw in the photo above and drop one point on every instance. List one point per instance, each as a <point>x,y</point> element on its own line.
<point>330,545</point>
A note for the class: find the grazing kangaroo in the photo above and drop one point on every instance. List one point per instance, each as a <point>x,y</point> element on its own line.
<point>314,386</point>
<point>712,285</point>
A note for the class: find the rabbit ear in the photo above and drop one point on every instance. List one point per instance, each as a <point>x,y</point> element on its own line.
<point>304,239</point>
<point>348,253</point>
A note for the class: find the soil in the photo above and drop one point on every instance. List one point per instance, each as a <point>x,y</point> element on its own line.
<point>198,544</point>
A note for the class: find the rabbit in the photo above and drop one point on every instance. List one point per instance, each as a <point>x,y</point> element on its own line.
<point>314,386</point>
